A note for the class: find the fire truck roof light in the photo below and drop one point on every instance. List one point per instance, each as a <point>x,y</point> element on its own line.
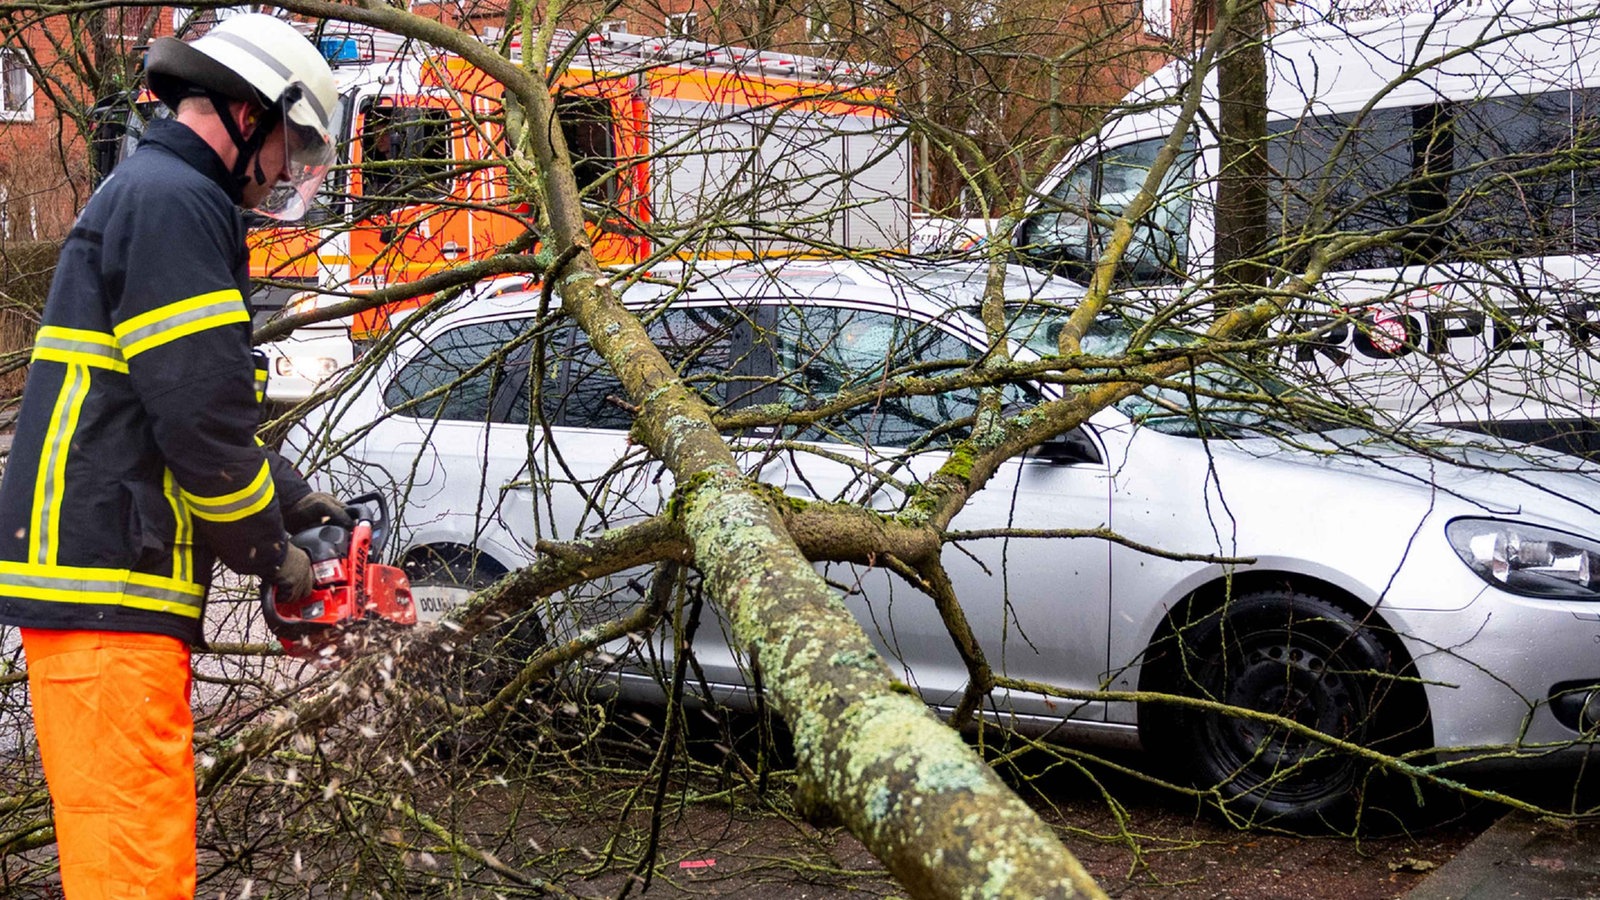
<point>342,49</point>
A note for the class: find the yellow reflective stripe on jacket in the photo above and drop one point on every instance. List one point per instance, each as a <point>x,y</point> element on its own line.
<point>147,331</point>
<point>111,587</point>
<point>44,537</point>
<point>183,530</point>
<point>246,501</point>
<point>78,345</point>
<point>261,385</point>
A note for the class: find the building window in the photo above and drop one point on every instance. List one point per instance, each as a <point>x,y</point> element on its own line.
<point>132,23</point>
<point>16,88</point>
<point>1158,17</point>
<point>19,219</point>
<point>683,25</point>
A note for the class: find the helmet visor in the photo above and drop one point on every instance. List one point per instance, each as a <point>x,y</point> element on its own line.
<point>307,156</point>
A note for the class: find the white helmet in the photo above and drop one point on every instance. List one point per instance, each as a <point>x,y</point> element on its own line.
<point>263,60</point>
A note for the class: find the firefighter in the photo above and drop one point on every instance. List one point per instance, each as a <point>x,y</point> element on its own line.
<point>135,464</point>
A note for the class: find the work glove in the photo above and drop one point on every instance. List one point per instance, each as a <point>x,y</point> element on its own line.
<point>293,578</point>
<point>316,508</point>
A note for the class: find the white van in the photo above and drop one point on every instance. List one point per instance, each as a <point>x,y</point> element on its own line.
<point>1457,162</point>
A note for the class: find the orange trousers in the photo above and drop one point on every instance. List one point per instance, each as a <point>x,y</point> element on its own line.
<point>117,739</point>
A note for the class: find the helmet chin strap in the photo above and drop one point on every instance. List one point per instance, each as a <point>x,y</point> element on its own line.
<point>249,147</point>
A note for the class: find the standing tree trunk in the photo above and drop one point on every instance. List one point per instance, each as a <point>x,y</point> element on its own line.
<point>1242,198</point>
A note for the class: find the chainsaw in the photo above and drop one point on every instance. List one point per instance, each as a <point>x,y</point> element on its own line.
<point>350,586</point>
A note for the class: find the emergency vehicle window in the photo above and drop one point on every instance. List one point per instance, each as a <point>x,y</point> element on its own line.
<point>1523,159</point>
<point>698,341</point>
<point>1586,179</point>
<point>586,124</point>
<point>1333,173</point>
<point>455,376</point>
<point>822,351</point>
<point>1502,176</point>
<point>113,118</point>
<point>130,130</point>
<point>329,203</point>
<point>406,154</point>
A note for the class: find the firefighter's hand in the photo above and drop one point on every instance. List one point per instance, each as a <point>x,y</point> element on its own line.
<point>293,578</point>
<point>316,508</point>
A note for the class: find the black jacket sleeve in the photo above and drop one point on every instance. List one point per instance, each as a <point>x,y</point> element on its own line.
<point>291,485</point>
<point>172,267</point>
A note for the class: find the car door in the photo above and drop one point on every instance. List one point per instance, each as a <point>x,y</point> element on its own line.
<point>589,475</point>
<point>450,450</point>
<point>1039,607</point>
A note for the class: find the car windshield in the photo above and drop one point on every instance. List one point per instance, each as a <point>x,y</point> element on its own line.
<point>1214,400</point>
<point>1071,228</point>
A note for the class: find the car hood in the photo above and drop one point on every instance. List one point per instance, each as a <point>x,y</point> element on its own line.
<point>1495,476</point>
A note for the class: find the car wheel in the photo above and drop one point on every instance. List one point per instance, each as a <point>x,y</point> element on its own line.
<point>444,580</point>
<point>1302,658</point>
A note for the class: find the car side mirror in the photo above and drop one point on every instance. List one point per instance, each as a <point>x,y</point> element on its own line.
<point>1073,448</point>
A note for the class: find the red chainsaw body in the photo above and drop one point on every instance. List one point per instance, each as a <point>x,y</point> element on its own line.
<point>348,588</point>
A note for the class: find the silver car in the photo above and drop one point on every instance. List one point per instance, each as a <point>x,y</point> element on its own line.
<point>1384,596</point>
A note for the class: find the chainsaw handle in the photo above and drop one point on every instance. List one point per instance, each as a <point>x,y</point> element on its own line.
<point>287,629</point>
<point>374,508</point>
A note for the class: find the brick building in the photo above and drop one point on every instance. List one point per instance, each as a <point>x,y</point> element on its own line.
<point>52,70</point>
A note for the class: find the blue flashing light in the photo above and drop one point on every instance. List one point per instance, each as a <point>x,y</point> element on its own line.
<point>339,49</point>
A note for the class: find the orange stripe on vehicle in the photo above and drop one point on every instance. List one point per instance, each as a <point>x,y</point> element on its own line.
<point>743,90</point>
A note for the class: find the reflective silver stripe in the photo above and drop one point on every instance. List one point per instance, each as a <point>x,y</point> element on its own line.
<point>227,308</point>
<point>53,464</point>
<point>241,503</point>
<point>112,587</point>
<point>151,592</point>
<point>266,58</point>
<point>183,529</point>
<point>222,511</point>
<point>97,586</point>
<point>78,345</point>
<point>275,65</point>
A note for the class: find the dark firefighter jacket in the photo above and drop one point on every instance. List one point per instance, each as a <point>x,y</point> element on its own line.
<point>134,458</point>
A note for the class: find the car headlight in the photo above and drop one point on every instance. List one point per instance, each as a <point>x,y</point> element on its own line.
<point>1527,559</point>
<point>311,368</point>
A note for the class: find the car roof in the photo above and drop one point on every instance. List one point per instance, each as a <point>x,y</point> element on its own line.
<point>909,285</point>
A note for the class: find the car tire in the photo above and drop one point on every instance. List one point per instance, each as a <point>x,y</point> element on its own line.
<point>1304,658</point>
<point>495,656</point>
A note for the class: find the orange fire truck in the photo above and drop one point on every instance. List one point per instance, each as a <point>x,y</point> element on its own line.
<point>682,148</point>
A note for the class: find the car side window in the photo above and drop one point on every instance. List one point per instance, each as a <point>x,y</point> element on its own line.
<point>455,375</point>
<point>821,351</point>
<point>581,391</point>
